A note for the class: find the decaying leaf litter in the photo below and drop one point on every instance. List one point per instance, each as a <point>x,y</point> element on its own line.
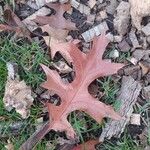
<point>65,27</point>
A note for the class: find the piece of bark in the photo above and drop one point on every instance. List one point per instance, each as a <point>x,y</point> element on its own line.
<point>80,7</point>
<point>134,40</point>
<point>146,29</point>
<point>133,60</point>
<point>124,46</point>
<point>110,8</point>
<point>146,92</point>
<point>121,20</point>
<point>141,54</point>
<point>95,31</point>
<point>91,3</point>
<point>127,97</point>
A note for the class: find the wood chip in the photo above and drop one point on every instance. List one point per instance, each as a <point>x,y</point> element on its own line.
<point>127,97</point>
<point>82,8</point>
<point>145,69</point>
<point>146,92</point>
<point>121,20</point>
<point>133,39</point>
<point>91,3</point>
<point>124,46</point>
<point>146,29</point>
<point>95,31</point>
<point>110,8</point>
<point>141,54</point>
<point>133,60</point>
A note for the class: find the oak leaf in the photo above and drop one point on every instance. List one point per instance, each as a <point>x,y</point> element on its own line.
<point>58,34</point>
<point>75,95</point>
<point>56,21</point>
<point>13,23</point>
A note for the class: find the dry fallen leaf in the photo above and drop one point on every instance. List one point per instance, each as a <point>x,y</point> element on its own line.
<point>58,34</point>
<point>17,94</point>
<point>57,20</point>
<point>30,24</point>
<point>57,45</point>
<point>139,9</point>
<point>89,145</point>
<point>75,95</point>
<point>9,146</point>
<point>13,23</point>
<point>145,69</point>
<point>62,67</point>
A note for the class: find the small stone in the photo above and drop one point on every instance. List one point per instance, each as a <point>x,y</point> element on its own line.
<point>135,119</point>
<point>146,29</point>
<point>114,54</point>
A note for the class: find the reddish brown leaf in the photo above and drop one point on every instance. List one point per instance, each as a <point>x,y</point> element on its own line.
<point>59,46</point>
<point>13,23</point>
<point>89,145</point>
<point>57,20</point>
<point>75,96</point>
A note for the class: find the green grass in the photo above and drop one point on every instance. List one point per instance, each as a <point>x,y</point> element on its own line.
<point>10,2</point>
<point>109,88</point>
<point>28,57</point>
<point>125,143</point>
